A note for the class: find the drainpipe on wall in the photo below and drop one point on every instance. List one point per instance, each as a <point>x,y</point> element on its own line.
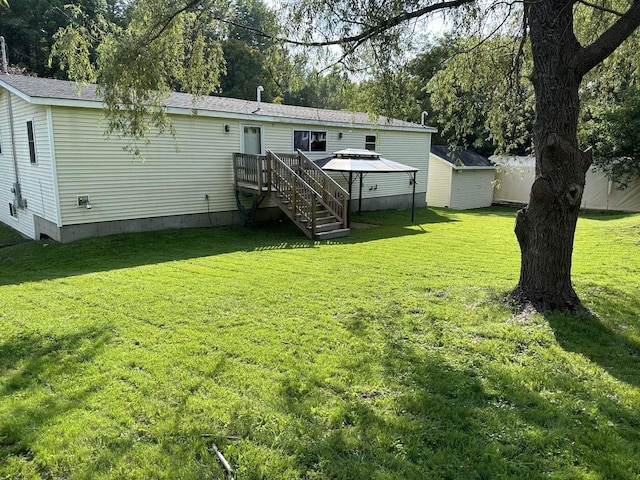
<point>18,200</point>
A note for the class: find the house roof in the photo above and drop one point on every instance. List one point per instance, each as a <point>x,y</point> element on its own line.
<point>59,92</point>
<point>461,159</point>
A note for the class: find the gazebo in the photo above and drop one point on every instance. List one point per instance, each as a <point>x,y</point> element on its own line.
<point>358,162</point>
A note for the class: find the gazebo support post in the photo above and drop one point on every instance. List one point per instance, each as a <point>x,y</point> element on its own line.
<point>413,197</point>
<point>349,202</point>
<point>360,196</point>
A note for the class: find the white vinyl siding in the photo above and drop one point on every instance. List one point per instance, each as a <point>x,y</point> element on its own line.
<point>439,190</point>
<point>36,180</point>
<point>472,189</point>
<point>409,148</point>
<point>165,182</point>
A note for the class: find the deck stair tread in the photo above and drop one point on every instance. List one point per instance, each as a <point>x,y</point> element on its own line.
<point>313,211</point>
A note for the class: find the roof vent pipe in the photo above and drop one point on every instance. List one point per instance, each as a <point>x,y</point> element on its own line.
<point>259,90</point>
<point>3,46</point>
<point>422,117</point>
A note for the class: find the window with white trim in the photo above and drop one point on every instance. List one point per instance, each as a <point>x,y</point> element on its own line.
<point>32,141</point>
<point>310,141</point>
<point>370,142</point>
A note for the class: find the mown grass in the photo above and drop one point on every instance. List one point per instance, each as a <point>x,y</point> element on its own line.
<point>385,355</point>
<point>9,236</point>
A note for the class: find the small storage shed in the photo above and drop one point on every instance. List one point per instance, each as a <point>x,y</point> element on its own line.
<point>459,179</point>
<point>515,175</point>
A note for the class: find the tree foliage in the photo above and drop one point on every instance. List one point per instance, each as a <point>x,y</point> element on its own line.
<point>138,65</point>
<point>611,108</point>
<point>246,68</point>
<point>29,27</point>
<point>615,135</point>
<point>481,98</point>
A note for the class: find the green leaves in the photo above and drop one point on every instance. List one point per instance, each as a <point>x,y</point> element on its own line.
<point>610,120</point>
<point>74,45</point>
<point>162,49</point>
<point>480,96</point>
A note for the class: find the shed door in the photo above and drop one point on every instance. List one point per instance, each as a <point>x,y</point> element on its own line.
<point>252,139</point>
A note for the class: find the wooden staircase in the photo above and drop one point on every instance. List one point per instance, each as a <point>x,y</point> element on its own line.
<point>315,202</point>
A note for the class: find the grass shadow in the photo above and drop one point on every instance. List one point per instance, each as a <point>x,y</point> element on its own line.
<point>363,436</point>
<point>605,215</point>
<point>588,336</point>
<point>33,370</point>
<point>41,260</point>
<point>502,211</point>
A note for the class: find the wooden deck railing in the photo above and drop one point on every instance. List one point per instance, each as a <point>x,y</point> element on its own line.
<point>251,169</point>
<point>299,185</point>
<point>294,191</point>
<point>334,197</point>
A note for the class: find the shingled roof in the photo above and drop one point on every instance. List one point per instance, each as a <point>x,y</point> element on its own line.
<point>50,91</point>
<point>461,158</point>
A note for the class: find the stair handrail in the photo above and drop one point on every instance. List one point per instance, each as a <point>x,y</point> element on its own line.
<point>337,198</point>
<point>291,170</point>
<point>302,197</point>
<point>308,163</point>
<point>334,197</point>
<point>338,207</point>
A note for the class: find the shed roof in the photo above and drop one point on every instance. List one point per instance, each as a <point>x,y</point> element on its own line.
<point>59,92</point>
<point>461,159</point>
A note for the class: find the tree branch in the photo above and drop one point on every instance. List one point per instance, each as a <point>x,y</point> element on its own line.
<point>602,8</point>
<point>367,33</point>
<point>590,56</point>
<point>387,24</point>
<point>164,23</point>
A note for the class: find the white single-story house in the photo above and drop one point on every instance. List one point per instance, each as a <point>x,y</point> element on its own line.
<point>61,177</point>
<point>459,179</point>
<point>515,176</point>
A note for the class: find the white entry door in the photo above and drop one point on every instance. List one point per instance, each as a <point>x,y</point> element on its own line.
<point>252,139</point>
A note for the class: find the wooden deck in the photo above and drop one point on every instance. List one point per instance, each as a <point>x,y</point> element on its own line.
<point>315,202</point>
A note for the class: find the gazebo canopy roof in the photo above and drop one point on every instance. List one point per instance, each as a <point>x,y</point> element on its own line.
<point>361,161</point>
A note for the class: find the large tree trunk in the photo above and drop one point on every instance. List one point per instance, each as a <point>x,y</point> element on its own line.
<point>545,228</point>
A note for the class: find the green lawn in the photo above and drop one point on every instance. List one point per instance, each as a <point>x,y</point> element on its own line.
<point>8,236</point>
<point>384,355</point>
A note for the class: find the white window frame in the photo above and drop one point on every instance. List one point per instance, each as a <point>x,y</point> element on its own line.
<point>310,133</point>
<point>367,143</point>
<point>33,161</point>
<point>251,125</point>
